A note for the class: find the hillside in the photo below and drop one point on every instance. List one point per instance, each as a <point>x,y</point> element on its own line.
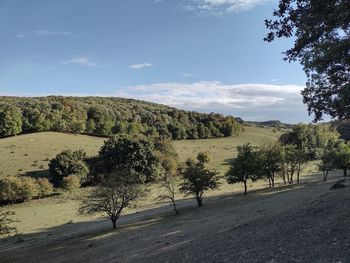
<point>104,116</point>
<point>30,153</point>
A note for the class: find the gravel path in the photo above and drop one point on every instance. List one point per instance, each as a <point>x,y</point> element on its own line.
<point>306,223</point>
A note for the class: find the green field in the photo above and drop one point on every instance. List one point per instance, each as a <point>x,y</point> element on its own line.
<point>29,154</point>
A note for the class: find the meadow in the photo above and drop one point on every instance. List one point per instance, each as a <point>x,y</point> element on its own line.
<point>29,155</point>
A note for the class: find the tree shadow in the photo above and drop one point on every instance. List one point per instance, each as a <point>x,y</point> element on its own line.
<point>37,174</point>
<point>148,231</point>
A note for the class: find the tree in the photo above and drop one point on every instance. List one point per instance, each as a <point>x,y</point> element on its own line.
<point>168,158</point>
<point>197,179</point>
<point>322,40</point>
<point>10,120</point>
<point>131,152</point>
<point>270,161</point>
<point>112,196</point>
<point>342,157</point>
<point>5,222</point>
<point>327,159</point>
<point>170,185</point>
<point>68,163</point>
<point>244,167</point>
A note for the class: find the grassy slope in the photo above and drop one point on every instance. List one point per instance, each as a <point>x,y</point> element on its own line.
<point>31,153</point>
<point>58,210</point>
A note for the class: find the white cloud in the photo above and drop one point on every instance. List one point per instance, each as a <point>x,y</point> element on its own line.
<point>220,7</point>
<point>41,32</point>
<point>250,101</point>
<point>84,61</point>
<point>141,65</point>
<point>187,75</point>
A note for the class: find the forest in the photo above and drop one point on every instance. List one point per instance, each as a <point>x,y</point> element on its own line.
<point>102,116</point>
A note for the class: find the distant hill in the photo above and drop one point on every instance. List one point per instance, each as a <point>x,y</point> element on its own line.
<point>104,116</point>
<point>270,123</point>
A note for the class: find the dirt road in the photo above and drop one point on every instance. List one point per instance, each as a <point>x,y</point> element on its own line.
<point>306,223</point>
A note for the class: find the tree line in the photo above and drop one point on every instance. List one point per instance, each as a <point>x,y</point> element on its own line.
<point>106,116</point>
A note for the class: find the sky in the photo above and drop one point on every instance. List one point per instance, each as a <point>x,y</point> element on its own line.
<point>202,55</point>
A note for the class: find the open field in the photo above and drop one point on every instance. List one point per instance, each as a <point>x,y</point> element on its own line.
<point>298,223</point>
<point>29,154</point>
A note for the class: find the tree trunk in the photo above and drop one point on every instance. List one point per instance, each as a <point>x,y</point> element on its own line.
<point>298,176</point>
<point>114,222</point>
<point>284,175</point>
<point>273,180</point>
<point>269,182</point>
<point>291,177</point>
<point>325,175</point>
<point>245,187</point>
<point>175,209</point>
<point>345,171</point>
<point>199,201</point>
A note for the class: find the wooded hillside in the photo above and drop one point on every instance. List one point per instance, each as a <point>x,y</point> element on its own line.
<point>105,116</point>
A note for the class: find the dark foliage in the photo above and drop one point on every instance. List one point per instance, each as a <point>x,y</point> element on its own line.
<point>322,44</point>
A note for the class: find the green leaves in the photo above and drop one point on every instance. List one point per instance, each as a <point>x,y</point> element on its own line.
<point>322,40</point>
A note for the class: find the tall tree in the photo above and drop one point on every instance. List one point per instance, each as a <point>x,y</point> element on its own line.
<point>197,179</point>
<point>270,161</point>
<point>322,44</point>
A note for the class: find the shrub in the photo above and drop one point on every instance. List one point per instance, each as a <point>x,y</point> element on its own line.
<point>44,187</point>
<point>70,183</point>
<point>17,189</point>
<point>68,163</point>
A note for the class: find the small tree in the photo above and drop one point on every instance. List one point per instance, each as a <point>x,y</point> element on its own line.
<point>170,185</point>
<point>244,167</point>
<point>342,157</point>
<point>197,179</point>
<point>113,196</point>
<point>327,161</point>
<point>270,162</point>
<point>68,163</point>
<point>5,222</point>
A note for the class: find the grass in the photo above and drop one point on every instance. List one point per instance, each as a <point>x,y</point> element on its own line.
<point>29,154</point>
<point>223,150</point>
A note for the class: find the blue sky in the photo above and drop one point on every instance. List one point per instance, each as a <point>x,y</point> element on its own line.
<point>204,55</point>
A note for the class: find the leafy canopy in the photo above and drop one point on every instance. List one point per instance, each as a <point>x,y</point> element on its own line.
<point>322,45</point>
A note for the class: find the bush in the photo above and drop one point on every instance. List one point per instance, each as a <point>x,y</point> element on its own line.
<point>44,187</point>
<point>70,183</point>
<point>17,189</point>
<point>68,163</point>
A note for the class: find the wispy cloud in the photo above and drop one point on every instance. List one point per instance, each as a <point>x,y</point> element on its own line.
<point>83,61</point>
<point>141,65</point>
<point>187,75</point>
<point>221,7</point>
<point>42,32</point>
<point>251,101</point>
